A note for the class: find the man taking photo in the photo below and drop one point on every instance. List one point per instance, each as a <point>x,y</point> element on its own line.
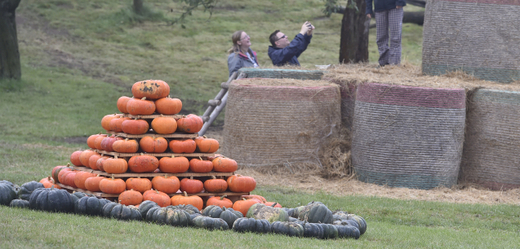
<point>282,52</point>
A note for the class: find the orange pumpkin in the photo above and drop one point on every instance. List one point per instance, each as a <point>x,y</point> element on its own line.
<point>273,204</point>
<point>92,160</point>
<point>244,205</point>
<point>48,182</point>
<point>130,197</point>
<point>92,183</point>
<point>140,106</point>
<point>239,183</point>
<point>107,142</point>
<point>183,146</point>
<point>258,197</point>
<point>91,140</point>
<point>174,164</point>
<point>168,106</point>
<point>56,171</point>
<point>139,184</point>
<point>164,125</point>
<point>121,103</point>
<point>222,164</point>
<point>166,184</point>
<point>126,146</point>
<point>161,198</point>
<point>135,126</point>
<point>98,140</point>
<point>200,166</point>
<point>153,144</point>
<point>115,165</point>
<point>100,161</point>
<point>115,124</point>
<point>191,186</point>
<point>62,172</point>
<point>215,185</point>
<point>190,124</point>
<point>206,145</point>
<point>143,163</point>
<point>112,185</point>
<point>194,200</point>
<point>151,89</point>
<point>220,201</point>
<point>105,121</point>
<point>74,158</point>
<point>68,178</point>
<point>81,177</point>
<point>85,157</point>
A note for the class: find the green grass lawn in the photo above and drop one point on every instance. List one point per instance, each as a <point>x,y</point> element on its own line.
<point>79,57</point>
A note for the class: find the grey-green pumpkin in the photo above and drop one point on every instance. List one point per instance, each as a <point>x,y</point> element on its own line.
<point>316,212</point>
<point>272,214</point>
<point>51,200</point>
<point>287,228</point>
<point>210,223</point>
<point>7,193</point>
<point>27,188</point>
<point>90,205</point>
<point>251,225</point>
<point>121,212</point>
<point>19,203</point>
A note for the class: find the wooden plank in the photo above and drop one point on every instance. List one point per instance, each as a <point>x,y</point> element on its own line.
<point>204,155</point>
<point>152,116</point>
<point>101,194</point>
<point>185,174</point>
<point>173,135</point>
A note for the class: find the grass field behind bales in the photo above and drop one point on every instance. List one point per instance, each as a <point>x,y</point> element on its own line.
<point>79,57</point>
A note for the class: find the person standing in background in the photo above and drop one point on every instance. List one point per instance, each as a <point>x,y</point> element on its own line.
<point>389,25</point>
<point>240,54</point>
<point>282,52</point>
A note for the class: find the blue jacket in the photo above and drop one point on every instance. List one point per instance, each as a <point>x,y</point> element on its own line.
<point>239,60</point>
<point>289,55</point>
<point>382,5</point>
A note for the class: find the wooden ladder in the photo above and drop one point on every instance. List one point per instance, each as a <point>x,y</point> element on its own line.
<point>216,105</point>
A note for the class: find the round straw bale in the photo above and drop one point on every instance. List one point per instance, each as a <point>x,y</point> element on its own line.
<point>282,73</point>
<point>348,96</point>
<point>405,136</point>
<point>472,36</point>
<point>279,121</point>
<point>492,145</point>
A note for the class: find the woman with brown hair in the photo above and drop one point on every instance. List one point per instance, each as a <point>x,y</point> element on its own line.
<point>241,55</point>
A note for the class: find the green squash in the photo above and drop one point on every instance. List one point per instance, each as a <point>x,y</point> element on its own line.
<point>312,230</point>
<point>294,212</point>
<point>362,224</point>
<point>51,200</point>
<point>316,212</point>
<point>121,212</point>
<point>329,231</point>
<point>27,188</point>
<point>145,206</point>
<point>188,208</point>
<point>210,223</point>
<point>212,211</point>
<point>230,216</point>
<point>348,231</point>
<point>7,193</point>
<point>260,211</point>
<point>251,225</point>
<point>90,205</point>
<point>150,214</point>
<point>19,203</point>
<point>287,228</point>
<point>169,216</point>
<point>339,215</point>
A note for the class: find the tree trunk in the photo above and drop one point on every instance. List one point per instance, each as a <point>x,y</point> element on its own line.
<point>138,6</point>
<point>9,53</point>
<point>354,33</point>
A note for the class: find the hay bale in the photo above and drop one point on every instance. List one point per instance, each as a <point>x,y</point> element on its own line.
<point>492,145</point>
<point>282,73</point>
<point>475,36</point>
<point>279,121</point>
<point>348,99</point>
<point>408,136</point>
